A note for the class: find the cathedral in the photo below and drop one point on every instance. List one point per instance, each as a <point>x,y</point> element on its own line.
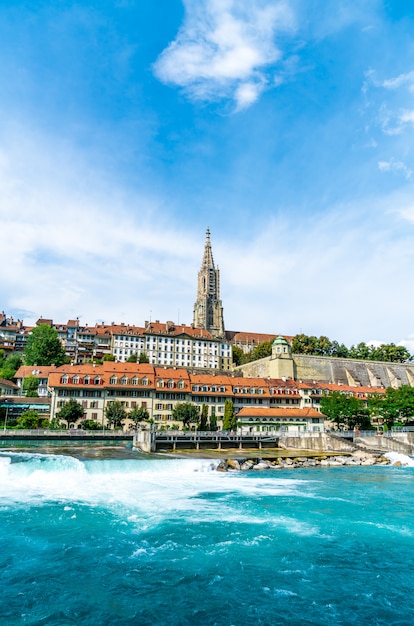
<point>208,308</point>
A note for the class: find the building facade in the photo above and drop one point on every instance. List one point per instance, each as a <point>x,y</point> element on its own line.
<point>159,389</point>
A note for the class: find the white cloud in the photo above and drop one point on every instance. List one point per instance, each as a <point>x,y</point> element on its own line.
<point>72,246</point>
<point>399,81</point>
<point>395,166</point>
<point>225,49</point>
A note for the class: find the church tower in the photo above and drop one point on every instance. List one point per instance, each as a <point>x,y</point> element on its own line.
<point>208,309</point>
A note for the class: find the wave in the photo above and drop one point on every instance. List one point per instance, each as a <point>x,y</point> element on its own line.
<point>401,459</point>
<point>141,491</point>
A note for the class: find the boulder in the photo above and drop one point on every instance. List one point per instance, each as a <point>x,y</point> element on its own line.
<point>222,467</point>
<point>233,464</point>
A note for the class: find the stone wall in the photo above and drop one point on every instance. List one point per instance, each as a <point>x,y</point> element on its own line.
<point>334,370</point>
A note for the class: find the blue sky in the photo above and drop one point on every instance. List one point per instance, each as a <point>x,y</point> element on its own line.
<point>128,127</point>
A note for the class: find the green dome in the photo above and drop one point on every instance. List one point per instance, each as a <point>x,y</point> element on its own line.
<point>280,341</point>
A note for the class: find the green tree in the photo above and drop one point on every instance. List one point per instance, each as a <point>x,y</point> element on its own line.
<point>143,358</point>
<point>339,350</point>
<point>9,364</point>
<point>30,420</point>
<point>238,356</point>
<point>186,413</point>
<point>395,405</point>
<point>90,425</point>
<point>260,352</point>
<point>229,419</point>
<point>204,417</point>
<point>108,357</point>
<point>115,414</point>
<point>30,386</point>
<point>43,347</point>
<point>344,409</point>
<point>138,414</point>
<point>71,412</point>
<point>213,419</point>
<point>133,358</point>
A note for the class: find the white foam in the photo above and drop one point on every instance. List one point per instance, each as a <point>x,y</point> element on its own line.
<point>396,457</point>
<point>143,492</point>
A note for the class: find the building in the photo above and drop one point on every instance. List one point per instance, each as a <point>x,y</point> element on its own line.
<point>255,419</point>
<point>208,308</point>
<point>159,389</point>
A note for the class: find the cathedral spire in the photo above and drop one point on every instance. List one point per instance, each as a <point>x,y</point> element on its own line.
<point>208,309</point>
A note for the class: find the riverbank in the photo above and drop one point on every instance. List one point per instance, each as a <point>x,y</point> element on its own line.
<point>276,458</point>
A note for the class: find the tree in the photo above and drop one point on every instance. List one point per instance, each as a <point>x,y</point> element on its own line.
<point>90,425</point>
<point>108,357</point>
<point>213,419</point>
<point>186,413</point>
<point>133,358</point>
<point>229,419</point>
<point>115,414</point>
<point>71,412</point>
<point>31,419</point>
<point>30,386</point>
<point>143,358</point>
<point>344,409</point>
<point>9,365</point>
<point>138,415</point>
<point>238,355</point>
<point>261,351</point>
<point>43,347</point>
<point>395,405</point>
<point>204,417</point>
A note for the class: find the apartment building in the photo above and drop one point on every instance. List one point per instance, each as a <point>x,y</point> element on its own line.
<point>159,389</point>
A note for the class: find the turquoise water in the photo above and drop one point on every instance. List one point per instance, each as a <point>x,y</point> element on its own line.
<point>170,541</point>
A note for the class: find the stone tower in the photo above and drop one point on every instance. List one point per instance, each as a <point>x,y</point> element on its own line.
<point>208,309</point>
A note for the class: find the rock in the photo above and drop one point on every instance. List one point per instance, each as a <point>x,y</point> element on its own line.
<point>261,465</point>
<point>397,464</point>
<point>288,461</point>
<point>222,467</point>
<point>247,465</point>
<point>233,464</point>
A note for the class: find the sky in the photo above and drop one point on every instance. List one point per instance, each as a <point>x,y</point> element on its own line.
<point>129,127</point>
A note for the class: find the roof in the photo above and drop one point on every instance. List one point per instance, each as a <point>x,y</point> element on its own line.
<point>236,336</point>
<point>40,371</point>
<point>278,412</point>
<point>8,383</point>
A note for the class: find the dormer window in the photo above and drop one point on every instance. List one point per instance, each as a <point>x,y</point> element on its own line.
<point>65,379</point>
<point>97,380</point>
<point>113,380</point>
<point>76,380</point>
<point>86,380</point>
<point>145,382</point>
<point>171,384</point>
<point>134,381</point>
<point>160,383</point>
<point>181,384</point>
<point>124,380</point>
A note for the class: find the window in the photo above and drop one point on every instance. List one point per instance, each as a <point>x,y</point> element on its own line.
<point>171,384</point>
<point>124,380</point>
<point>97,380</point>
<point>134,381</point>
<point>113,380</point>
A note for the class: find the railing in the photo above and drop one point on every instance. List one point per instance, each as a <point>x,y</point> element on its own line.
<point>45,432</point>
